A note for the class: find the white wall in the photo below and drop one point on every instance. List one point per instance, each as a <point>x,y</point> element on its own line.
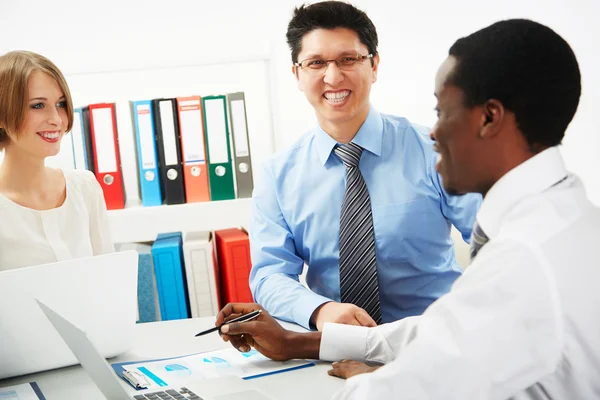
<point>89,39</point>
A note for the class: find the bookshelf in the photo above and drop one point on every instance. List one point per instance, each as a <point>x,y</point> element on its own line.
<point>142,224</point>
<point>249,73</point>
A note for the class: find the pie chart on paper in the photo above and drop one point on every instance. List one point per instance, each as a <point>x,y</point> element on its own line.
<point>250,353</point>
<point>177,369</point>
<point>217,362</point>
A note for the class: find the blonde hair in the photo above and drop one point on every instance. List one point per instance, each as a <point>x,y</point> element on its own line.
<point>15,69</point>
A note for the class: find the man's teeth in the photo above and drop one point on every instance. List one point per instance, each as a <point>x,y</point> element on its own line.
<point>50,135</point>
<point>337,97</point>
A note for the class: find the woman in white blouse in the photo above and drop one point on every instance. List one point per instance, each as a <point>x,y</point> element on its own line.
<point>46,214</point>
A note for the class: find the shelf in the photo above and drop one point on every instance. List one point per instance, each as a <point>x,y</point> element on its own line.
<point>143,224</point>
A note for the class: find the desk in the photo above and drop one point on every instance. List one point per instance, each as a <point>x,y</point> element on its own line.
<point>174,338</point>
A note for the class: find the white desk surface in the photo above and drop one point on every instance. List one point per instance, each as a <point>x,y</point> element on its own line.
<point>175,338</point>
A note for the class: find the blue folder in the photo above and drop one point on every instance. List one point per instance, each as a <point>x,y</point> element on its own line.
<point>167,254</point>
<point>147,294</point>
<point>83,155</point>
<point>147,159</point>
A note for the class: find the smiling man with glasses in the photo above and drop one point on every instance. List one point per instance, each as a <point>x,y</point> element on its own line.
<point>357,198</point>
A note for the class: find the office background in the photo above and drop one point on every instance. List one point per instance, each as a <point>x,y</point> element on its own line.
<point>119,50</point>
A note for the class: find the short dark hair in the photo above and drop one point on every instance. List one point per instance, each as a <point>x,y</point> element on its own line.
<point>526,66</point>
<point>329,15</point>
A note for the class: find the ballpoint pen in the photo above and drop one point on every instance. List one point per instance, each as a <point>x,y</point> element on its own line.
<point>242,318</point>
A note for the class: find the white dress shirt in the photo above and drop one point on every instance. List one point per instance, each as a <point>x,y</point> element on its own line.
<point>522,322</point>
<point>78,228</point>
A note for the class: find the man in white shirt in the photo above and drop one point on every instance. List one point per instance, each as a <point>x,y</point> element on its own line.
<point>523,321</point>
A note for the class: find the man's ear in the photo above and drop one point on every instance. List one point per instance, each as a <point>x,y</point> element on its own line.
<point>375,67</point>
<point>296,72</point>
<point>492,118</point>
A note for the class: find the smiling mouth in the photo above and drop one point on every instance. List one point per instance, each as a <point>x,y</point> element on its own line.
<point>438,163</point>
<point>50,136</point>
<point>337,97</point>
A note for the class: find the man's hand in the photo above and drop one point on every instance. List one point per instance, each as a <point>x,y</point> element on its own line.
<point>263,333</point>
<point>341,313</point>
<point>346,369</point>
<point>266,335</point>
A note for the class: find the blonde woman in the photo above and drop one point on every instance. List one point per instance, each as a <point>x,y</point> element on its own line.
<point>46,214</point>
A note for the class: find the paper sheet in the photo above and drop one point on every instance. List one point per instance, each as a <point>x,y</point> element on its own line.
<point>24,391</point>
<point>181,371</point>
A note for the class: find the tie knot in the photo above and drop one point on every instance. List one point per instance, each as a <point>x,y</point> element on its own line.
<point>349,153</point>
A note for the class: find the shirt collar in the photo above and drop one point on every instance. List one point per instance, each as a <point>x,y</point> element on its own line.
<point>369,137</point>
<point>533,176</point>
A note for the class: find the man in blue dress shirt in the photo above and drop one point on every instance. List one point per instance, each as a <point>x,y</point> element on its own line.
<point>390,244</point>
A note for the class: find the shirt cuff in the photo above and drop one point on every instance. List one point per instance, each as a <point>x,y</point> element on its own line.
<point>343,342</point>
<point>303,312</point>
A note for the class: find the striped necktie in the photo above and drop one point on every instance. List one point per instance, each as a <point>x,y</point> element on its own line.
<point>358,267</point>
<point>478,240</point>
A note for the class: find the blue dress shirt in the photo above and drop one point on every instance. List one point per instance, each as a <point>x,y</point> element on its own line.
<point>296,220</point>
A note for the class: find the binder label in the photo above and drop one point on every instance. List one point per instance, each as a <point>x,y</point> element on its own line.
<point>190,124</point>
<point>217,131</point>
<point>168,131</point>
<point>240,132</point>
<point>104,140</point>
<point>146,136</point>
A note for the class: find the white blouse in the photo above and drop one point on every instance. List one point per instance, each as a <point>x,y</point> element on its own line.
<point>78,228</point>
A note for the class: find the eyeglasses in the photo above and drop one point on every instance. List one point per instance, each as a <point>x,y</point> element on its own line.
<point>317,66</point>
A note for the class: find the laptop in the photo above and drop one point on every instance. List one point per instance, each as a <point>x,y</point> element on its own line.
<point>97,293</point>
<point>226,388</point>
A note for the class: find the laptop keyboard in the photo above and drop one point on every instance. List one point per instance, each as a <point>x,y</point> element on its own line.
<point>183,393</point>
